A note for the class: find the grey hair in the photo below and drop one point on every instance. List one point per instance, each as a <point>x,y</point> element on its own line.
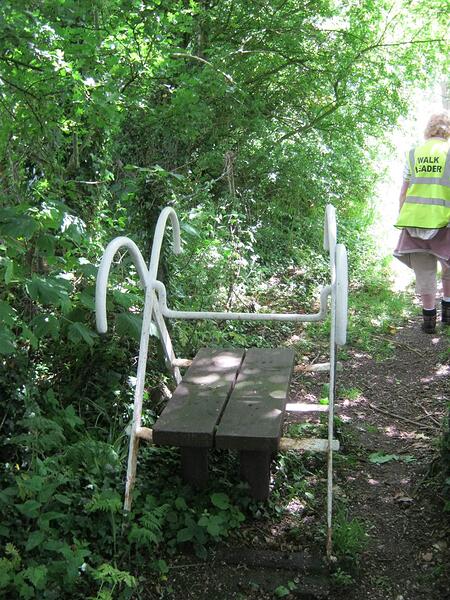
<point>438,125</point>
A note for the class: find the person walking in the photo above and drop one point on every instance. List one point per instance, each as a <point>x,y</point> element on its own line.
<point>425,218</point>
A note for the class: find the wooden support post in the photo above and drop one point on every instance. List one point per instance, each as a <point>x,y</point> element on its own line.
<point>255,469</point>
<point>194,466</point>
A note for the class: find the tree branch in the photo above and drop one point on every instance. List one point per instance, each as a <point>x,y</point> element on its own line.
<point>19,63</point>
<point>204,61</point>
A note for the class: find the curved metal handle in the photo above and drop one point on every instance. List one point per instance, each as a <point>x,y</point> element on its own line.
<point>144,273</point>
<point>160,229</point>
<point>103,274</point>
<point>329,229</point>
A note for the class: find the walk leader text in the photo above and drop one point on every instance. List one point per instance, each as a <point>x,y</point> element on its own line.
<point>428,168</point>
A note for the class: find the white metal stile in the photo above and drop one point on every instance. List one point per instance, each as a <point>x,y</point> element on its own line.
<point>155,309</point>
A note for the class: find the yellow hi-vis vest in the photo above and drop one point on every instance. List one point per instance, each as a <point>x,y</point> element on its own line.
<point>427,203</point>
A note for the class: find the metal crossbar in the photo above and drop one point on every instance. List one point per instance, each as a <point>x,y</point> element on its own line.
<point>156,309</point>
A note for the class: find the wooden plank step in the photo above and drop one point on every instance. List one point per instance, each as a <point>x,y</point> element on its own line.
<point>301,407</point>
<point>191,415</point>
<point>253,417</point>
<point>309,444</point>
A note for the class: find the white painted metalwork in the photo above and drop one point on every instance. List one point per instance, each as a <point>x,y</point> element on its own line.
<point>341,294</point>
<point>231,316</point>
<point>156,308</point>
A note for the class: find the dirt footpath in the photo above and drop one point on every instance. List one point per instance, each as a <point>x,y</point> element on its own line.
<point>398,419</point>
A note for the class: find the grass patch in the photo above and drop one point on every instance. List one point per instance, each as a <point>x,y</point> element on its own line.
<point>350,536</point>
<point>375,313</point>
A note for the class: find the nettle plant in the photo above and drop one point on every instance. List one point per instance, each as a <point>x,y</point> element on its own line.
<point>64,528</point>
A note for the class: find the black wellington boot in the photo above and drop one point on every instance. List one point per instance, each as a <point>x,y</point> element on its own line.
<point>429,320</point>
<point>445,314</point>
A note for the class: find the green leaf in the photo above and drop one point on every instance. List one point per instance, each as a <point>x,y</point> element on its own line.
<point>7,345</point>
<point>27,334</point>
<point>9,271</point>
<point>180,503</point>
<point>125,299</point>
<point>161,566</point>
<point>7,313</point>
<point>221,501</point>
<point>35,538</point>
<point>30,508</point>
<point>215,526</point>
<point>128,324</point>
<point>15,225</point>
<point>50,290</point>
<point>52,515</point>
<point>37,576</point>
<point>78,332</point>
<point>281,591</point>
<point>380,458</point>
<point>46,325</point>
<point>63,499</point>
<point>71,418</point>
<point>190,230</point>
<point>87,299</point>
<point>46,244</point>
<point>185,535</point>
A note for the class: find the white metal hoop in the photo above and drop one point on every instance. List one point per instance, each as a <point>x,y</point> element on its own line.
<point>341,294</point>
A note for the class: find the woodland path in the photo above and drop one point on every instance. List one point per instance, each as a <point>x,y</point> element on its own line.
<point>398,412</point>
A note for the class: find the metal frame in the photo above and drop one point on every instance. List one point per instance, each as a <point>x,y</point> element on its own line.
<point>156,308</point>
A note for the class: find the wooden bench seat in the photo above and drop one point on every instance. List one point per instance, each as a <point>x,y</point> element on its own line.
<point>229,399</point>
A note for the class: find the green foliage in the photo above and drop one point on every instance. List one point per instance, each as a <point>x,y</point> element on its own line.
<point>341,578</point>
<point>247,122</point>
<point>375,313</point>
<point>349,536</point>
<point>379,458</point>
<point>285,590</point>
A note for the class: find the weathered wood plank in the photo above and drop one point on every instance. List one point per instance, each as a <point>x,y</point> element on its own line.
<point>303,407</point>
<point>309,444</point>
<point>191,415</point>
<point>253,417</point>
<point>194,466</point>
<point>269,358</point>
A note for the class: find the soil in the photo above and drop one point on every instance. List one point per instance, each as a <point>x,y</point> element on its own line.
<point>389,410</point>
